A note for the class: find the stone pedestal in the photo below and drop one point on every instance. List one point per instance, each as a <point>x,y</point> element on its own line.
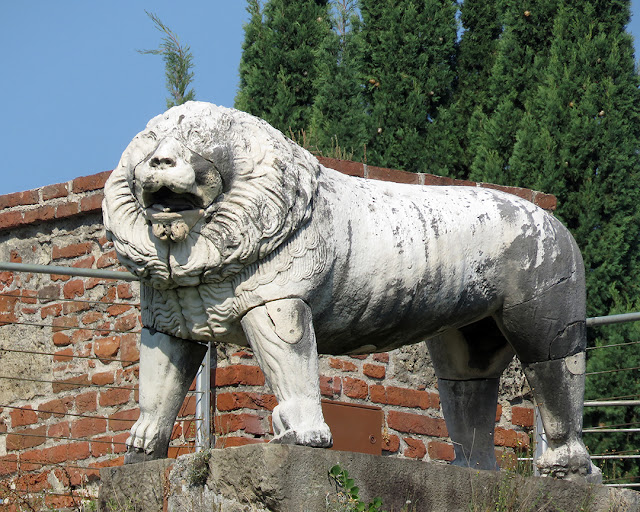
<point>284,478</point>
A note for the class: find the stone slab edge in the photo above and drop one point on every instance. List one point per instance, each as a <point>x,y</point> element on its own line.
<point>283,478</point>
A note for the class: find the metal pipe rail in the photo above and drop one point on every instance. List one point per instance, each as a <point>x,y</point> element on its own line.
<point>67,271</point>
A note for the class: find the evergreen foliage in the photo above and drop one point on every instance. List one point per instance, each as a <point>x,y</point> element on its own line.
<point>481,24</point>
<point>178,61</point>
<point>408,63</point>
<point>279,69</point>
<point>338,118</point>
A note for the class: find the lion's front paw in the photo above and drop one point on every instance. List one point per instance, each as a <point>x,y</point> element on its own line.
<point>315,437</point>
<point>141,444</point>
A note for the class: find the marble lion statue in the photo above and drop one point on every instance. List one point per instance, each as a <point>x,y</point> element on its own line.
<point>240,236</point>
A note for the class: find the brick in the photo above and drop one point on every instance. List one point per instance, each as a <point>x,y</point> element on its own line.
<point>87,427</point>
<point>6,278</point>
<point>107,348</point>
<point>57,408</point>
<point>188,407</point>
<point>81,335</point>
<point>440,451</point>
<point>91,317</point>
<point>415,448</point>
<point>545,201</point>
<point>86,402</point>
<point>344,166</point>
<point>22,417</point>
<point>49,292</point>
<point>522,416</point>
<point>102,378</point>
<point>68,384</point>
<point>126,323</point>
<point>394,175</point>
<point>63,356</point>
<point>383,357</point>
<point>59,430</point>
<point>404,397</point>
<point>129,349</point>
<point>498,413</point>
<point>71,251</point>
<point>375,371</point>
<point>507,459</point>
<point>355,388</point>
<point>42,213</point>
<point>115,396</point>
<point>330,386</point>
<point>243,354</point>
<point>416,424</point>
<point>124,291</point>
<point>66,210</point>
<point>360,357</point>
<point>54,191</point>
<point>340,364</point>
<point>9,220</point>
<point>52,310</point>
<point>123,420</point>
<point>73,289</point>
<point>250,423</point>
<point>118,309</point>
<point>25,198</point>
<point>84,262</point>
<point>239,374</point>
<point>26,438</point>
<point>34,482</point>
<point>8,464</point>
<point>524,193</point>
<point>92,203</point>
<point>14,257</point>
<point>243,400</point>
<point>228,442</point>
<point>432,179</point>
<point>511,438</point>
<point>107,260</point>
<point>88,183</point>
<point>63,323</point>
<point>390,443</point>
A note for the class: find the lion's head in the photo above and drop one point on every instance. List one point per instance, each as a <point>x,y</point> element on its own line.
<point>204,191</point>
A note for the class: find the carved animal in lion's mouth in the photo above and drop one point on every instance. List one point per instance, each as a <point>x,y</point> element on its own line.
<point>240,236</point>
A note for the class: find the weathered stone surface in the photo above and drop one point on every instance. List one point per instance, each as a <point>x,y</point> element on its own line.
<point>281,478</point>
<point>138,487</point>
<point>241,236</point>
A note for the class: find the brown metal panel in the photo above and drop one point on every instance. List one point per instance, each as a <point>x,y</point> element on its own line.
<point>355,427</point>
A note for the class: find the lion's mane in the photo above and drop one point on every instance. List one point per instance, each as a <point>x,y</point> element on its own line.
<point>268,187</point>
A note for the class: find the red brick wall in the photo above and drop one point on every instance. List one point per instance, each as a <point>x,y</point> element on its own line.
<point>66,411</point>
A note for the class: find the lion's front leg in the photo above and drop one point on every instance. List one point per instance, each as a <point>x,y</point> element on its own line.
<point>167,368</point>
<point>284,343</point>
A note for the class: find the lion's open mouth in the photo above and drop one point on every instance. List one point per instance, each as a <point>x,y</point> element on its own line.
<point>172,215</point>
<point>167,200</point>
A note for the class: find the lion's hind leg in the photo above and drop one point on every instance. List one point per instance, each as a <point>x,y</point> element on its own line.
<point>548,333</point>
<point>468,363</point>
<point>283,340</point>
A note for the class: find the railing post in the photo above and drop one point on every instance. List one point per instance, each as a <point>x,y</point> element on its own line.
<point>203,403</point>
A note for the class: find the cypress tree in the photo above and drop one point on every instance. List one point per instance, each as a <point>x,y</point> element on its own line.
<point>279,68</point>
<point>522,53</point>
<point>338,119</point>
<point>578,140</point>
<point>482,27</point>
<point>408,64</point>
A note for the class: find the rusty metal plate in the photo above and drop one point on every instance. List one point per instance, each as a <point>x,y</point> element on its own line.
<point>355,427</point>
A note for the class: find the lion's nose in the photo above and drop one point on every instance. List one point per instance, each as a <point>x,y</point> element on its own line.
<point>162,162</point>
<point>164,157</point>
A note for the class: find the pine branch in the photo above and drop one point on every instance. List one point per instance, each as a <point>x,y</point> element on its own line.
<point>178,61</point>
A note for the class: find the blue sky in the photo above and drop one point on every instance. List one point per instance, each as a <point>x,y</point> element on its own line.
<point>75,91</point>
